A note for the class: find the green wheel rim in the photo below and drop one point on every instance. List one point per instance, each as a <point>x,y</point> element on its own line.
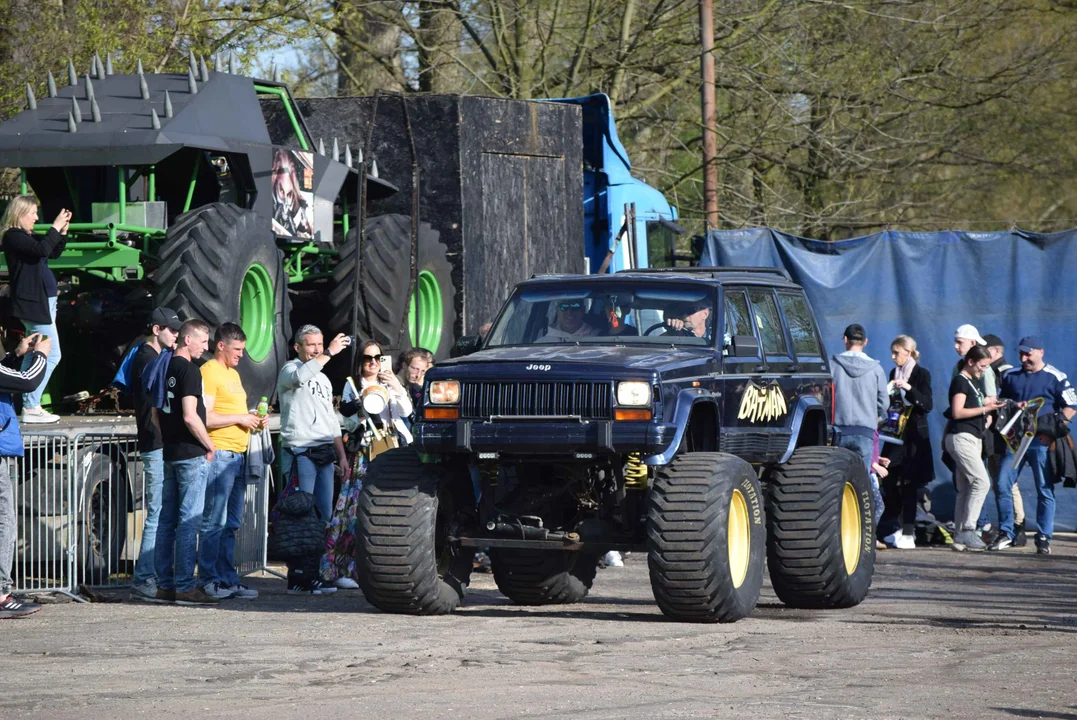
<point>429,301</point>
<point>257,314</point>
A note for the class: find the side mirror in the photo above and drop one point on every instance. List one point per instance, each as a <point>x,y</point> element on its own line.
<point>466,345</point>
<point>745,346</point>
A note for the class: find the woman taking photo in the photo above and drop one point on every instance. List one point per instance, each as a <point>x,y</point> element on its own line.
<point>911,463</point>
<point>33,286</point>
<point>964,443</point>
<point>384,428</point>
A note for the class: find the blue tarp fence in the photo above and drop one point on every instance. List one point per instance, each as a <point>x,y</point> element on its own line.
<point>925,285</point>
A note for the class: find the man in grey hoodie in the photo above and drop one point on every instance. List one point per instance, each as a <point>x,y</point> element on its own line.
<point>860,396</point>
<point>309,429</point>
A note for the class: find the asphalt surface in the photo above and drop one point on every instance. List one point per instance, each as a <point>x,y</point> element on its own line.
<point>942,634</point>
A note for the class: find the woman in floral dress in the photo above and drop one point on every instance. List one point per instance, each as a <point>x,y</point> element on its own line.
<point>338,563</point>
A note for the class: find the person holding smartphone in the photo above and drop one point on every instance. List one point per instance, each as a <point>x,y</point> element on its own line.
<point>963,440</point>
<point>309,432</point>
<point>12,380</point>
<point>377,369</point>
<point>33,286</point>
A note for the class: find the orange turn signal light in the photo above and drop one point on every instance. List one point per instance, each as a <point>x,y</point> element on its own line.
<point>631,414</point>
<point>441,413</point>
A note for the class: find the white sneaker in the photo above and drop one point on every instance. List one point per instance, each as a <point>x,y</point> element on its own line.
<point>613,559</point>
<point>905,542</point>
<point>891,540</point>
<point>38,416</point>
<point>214,590</point>
<point>346,583</point>
<point>241,591</point>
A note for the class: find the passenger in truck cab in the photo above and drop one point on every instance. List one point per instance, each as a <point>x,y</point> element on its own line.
<point>569,321</point>
<point>617,312</point>
<point>688,319</point>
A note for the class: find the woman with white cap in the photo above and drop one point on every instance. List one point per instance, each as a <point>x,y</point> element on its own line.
<point>965,337</point>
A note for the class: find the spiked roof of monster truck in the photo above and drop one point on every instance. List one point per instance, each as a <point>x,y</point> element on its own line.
<point>136,119</point>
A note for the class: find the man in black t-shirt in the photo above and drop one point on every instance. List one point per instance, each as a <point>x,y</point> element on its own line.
<point>187,453</point>
<point>164,326</point>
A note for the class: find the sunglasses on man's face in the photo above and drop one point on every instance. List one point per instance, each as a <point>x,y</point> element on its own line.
<point>371,358</point>
<point>570,306</point>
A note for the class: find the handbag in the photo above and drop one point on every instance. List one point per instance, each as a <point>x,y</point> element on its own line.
<point>380,441</point>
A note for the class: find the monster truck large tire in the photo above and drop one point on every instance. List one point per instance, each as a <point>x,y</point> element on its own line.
<point>821,545</point>
<point>220,263</point>
<point>705,537</point>
<point>386,277</point>
<point>535,577</point>
<point>407,512</point>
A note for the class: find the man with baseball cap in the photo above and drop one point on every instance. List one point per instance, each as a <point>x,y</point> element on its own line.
<point>860,396</point>
<point>1034,379</point>
<point>688,319</point>
<point>164,325</point>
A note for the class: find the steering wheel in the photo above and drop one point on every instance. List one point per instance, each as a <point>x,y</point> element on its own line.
<point>654,327</point>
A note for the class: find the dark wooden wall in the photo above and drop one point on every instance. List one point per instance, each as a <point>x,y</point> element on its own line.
<point>500,180</point>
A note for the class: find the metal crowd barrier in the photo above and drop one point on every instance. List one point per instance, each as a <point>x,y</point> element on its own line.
<point>45,535</point>
<point>80,510</point>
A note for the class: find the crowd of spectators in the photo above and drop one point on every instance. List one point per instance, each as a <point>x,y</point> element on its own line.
<point>884,419</point>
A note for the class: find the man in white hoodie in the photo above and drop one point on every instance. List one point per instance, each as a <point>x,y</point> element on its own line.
<point>309,429</point>
<point>860,396</point>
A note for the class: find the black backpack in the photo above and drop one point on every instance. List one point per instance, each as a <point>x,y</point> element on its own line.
<point>298,530</point>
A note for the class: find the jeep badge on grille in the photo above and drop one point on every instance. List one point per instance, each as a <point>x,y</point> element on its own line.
<point>544,368</point>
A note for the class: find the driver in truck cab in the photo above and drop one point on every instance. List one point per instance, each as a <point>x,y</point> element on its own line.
<point>688,319</point>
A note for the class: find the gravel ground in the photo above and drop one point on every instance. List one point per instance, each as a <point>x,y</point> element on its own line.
<point>942,634</point>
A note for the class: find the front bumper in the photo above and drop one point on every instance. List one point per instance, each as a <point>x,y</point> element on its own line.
<point>542,438</point>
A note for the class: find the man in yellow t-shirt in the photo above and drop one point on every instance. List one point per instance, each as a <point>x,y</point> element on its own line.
<point>229,422</point>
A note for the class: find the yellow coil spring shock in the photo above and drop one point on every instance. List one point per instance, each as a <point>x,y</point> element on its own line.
<point>635,473</point>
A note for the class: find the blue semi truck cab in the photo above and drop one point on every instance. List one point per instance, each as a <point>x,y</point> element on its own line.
<point>610,191</point>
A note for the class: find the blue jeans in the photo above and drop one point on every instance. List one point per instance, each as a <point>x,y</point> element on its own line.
<point>225,493</point>
<point>314,479</point>
<point>33,399</point>
<point>1037,459</point>
<point>183,498</point>
<point>862,445</point>
<point>152,478</point>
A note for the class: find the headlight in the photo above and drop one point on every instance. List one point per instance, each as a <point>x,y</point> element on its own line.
<point>445,392</point>
<point>634,393</point>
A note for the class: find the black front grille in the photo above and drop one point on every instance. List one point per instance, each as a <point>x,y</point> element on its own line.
<point>480,400</point>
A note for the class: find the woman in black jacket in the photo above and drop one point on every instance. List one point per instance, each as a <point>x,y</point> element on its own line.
<point>912,463</point>
<point>33,286</point>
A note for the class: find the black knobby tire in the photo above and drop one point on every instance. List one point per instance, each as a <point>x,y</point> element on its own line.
<point>806,543</point>
<point>386,278</point>
<point>205,257</point>
<point>407,509</point>
<point>105,500</point>
<point>697,575</point>
<point>536,577</point>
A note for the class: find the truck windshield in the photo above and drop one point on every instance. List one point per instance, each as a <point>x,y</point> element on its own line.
<point>632,312</point>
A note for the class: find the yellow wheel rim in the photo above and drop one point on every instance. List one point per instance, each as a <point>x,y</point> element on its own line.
<point>850,528</point>
<point>739,538</point>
